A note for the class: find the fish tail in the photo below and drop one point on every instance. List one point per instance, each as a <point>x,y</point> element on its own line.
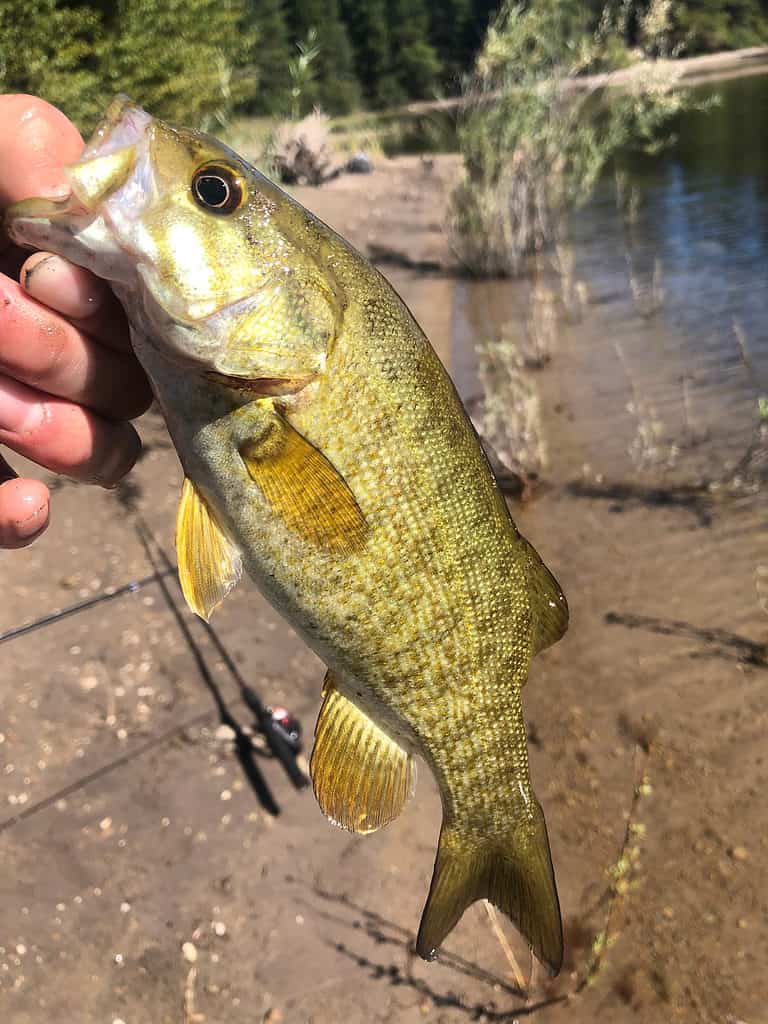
<point>512,871</point>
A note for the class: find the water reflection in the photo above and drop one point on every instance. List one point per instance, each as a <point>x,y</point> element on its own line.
<point>664,370</point>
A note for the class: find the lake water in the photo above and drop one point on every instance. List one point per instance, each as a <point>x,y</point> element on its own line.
<point>689,373</point>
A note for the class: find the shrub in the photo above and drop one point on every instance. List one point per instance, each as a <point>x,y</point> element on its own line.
<point>537,133</point>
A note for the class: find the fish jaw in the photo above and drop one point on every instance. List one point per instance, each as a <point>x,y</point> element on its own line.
<point>109,187</point>
<point>99,226</point>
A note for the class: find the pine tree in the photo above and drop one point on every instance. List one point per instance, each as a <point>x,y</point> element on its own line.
<point>414,63</point>
<point>51,51</point>
<point>368,25</point>
<point>709,25</point>
<point>185,60</point>
<point>270,56</point>
<point>451,31</point>
<point>334,87</point>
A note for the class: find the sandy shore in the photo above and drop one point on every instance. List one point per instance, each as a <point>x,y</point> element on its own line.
<point>143,882</point>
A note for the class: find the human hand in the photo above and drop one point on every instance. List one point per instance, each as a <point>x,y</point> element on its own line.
<point>68,380</point>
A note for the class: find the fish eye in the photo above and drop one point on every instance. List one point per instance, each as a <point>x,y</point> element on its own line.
<point>217,189</point>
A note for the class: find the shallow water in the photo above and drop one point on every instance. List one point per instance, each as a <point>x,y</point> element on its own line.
<point>664,369</point>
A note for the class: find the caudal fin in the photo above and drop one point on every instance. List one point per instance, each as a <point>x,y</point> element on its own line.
<point>514,872</point>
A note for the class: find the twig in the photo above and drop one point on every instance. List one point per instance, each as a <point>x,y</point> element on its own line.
<point>514,967</point>
<point>190,1015</point>
<point>621,883</point>
<point>741,341</point>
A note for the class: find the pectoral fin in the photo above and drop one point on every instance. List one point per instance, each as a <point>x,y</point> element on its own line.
<point>209,563</point>
<point>361,777</point>
<point>305,490</point>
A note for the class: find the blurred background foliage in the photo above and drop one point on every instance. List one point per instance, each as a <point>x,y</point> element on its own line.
<point>203,61</point>
<point>536,134</point>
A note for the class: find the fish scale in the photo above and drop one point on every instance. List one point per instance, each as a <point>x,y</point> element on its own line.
<point>326,452</point>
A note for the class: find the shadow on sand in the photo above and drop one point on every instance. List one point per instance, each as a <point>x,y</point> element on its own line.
<point>693,498</point>
<point>385,933</point>
<point>721,643</point>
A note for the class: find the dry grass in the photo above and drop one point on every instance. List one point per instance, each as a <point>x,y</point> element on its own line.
<point>510,415</point>
<point>302,152</point>
<point>624,875</point>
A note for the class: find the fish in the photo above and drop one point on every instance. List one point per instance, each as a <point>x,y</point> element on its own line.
<point>326,454</point>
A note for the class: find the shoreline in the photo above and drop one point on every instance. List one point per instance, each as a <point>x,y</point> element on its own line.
<point>708,67</point>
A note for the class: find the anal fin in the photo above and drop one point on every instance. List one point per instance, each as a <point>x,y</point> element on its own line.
<point>361,777</point>
<point>209,563</point>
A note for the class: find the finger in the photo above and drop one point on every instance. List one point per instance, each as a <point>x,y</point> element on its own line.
<point>79,295</point>
<point>24,509</point>
<point>38,140</point>
<point>42,349</point>
<point>65,438</point>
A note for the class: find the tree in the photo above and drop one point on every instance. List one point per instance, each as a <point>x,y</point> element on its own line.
<point>51,51</point>
<point>197,80</point>
<point>368,25</point>
<point>334,86</point>
<point>450,31</point>
<point>270,56</point>
<point>535,139</point>
<point>414,63</point>
<point>708,25</point>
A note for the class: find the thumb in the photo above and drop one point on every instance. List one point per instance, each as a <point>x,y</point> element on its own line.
<point>37,141</point>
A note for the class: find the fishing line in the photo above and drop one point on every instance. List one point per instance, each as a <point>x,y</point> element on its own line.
<point>108,595</point>
<point>279,746</point>
<point>99,773</point>
<point>243,745</point>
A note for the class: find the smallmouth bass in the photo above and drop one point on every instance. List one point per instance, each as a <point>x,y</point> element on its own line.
<point>325,451</point>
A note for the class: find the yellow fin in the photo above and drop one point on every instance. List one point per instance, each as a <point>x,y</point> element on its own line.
<point>548,604</point>
<point>360,776</point>
<point>305,490</point>
<point>513,871</point>
<point>209,563</point>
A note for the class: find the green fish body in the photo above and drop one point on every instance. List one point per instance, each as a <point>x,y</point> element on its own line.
<point>327,454</point>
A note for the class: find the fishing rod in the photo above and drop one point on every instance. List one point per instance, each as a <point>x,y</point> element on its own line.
<point>283,743</point>
<point>278,727</point>
<point>107,595</point>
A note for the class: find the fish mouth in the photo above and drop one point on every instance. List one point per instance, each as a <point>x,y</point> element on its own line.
<point>33,223</point>
<point>77,226</point>
<point>124,124</point>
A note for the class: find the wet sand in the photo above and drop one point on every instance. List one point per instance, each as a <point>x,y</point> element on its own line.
<point>161,842</point>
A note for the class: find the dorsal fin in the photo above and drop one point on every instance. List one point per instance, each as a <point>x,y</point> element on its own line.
<point>304,489</point>
<point>361,776</point>
<point>209,563</point>
<point>549,607</point>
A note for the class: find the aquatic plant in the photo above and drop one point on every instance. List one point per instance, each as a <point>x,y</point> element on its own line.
<point>510,416</point>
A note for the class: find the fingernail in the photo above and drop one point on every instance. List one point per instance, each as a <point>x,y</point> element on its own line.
<point>33,518</point>
<point>35,269</point>
<point>18,413</point>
